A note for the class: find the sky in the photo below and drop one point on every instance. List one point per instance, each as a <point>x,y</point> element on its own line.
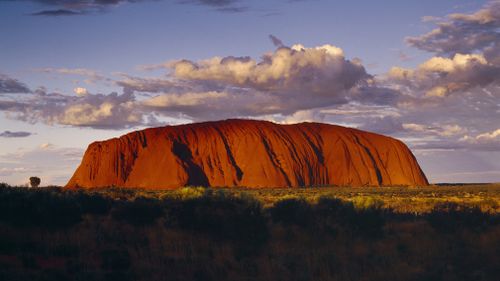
<point>425,72</point>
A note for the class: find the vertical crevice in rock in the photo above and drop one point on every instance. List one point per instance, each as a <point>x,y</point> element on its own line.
<point>196,175</point>
<point>239,173</point>
<point>372,159</point>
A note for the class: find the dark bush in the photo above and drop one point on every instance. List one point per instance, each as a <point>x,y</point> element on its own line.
<point>115,260</point>
<point>330,214</point>
<point>94,204</point>
<point>65,250</point>
<point>74,266</point>
<point>221,216</point>
<point>202,275</point>
<point>118,276</point>
<point>450,217</point>
<point>333,214</point>
<point>333,208</point>
<point>42,208</point>
<point>368,222</point>
<point>29,261</point>
<point>52,275</point>
<point>140,212</point>
<point>292,212</point>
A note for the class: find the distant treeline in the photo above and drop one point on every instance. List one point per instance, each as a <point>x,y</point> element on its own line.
<point>206,234</point>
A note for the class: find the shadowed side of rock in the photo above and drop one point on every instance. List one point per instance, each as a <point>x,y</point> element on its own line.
<point>248,153</point>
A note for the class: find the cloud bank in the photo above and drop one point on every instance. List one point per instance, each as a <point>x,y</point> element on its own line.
<point>57,8</point>
<point>112,111</point>
<point>9,134</point>
<point>285,81</point>
<point>450,101</point>
<point>463,33</point>
<point>9,85</point>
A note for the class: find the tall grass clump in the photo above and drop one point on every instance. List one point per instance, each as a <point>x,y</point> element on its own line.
<point>367,202</point>
<point>186,193</point>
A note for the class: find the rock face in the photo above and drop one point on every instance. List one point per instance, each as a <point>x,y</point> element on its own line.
<point>247,153</point>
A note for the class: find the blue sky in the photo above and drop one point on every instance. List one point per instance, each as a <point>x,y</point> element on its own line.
<point>444,106</point>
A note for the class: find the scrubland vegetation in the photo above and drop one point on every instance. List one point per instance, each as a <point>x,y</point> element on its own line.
<point>396,233</point>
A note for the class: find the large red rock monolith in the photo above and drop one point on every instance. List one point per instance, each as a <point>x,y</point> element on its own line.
<point>247,153</point>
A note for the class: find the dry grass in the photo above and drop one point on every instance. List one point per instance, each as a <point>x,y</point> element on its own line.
<point>413,200</point>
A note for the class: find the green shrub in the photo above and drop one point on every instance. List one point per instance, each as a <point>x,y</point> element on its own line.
<point>186,193</point>
<point>367,202</point>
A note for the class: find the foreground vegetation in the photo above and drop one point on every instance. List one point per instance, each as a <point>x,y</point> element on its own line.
<point>448,233</point>
<point>407,200</point>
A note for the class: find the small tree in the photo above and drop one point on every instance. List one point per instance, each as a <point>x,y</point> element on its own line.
<point>35,181</point>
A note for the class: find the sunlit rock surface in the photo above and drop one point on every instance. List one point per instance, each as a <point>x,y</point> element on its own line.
<point>247,153</point>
